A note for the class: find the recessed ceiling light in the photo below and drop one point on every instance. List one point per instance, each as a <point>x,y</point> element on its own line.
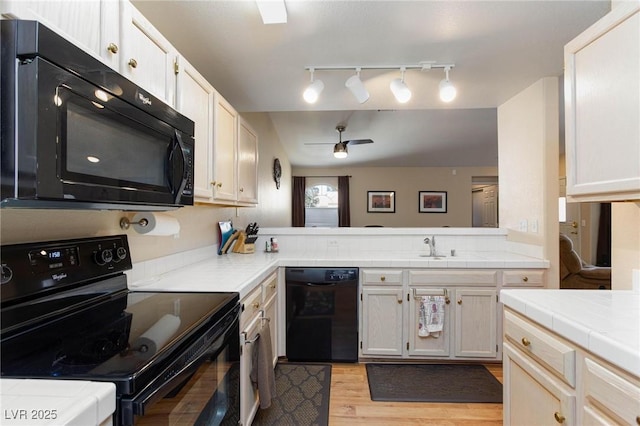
<point>272,11</point>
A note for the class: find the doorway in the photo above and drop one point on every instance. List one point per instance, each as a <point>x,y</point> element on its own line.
<point>484,197</point>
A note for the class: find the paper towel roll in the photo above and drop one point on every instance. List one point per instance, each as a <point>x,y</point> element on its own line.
<point>159,333</point>
<point>158,224</point>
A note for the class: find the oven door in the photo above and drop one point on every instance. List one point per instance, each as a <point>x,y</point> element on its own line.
<point>80,142</point>
<point>205,391</point>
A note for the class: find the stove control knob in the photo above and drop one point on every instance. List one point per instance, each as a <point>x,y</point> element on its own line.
<point>103,257</point>
<point>121,253</point>
<point>7,274</point>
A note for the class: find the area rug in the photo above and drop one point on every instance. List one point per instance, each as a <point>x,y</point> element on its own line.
<point>433,383</point>
<point>302,396</point>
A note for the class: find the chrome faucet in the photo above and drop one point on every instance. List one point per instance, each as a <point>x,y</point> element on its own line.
<point>432,245</point>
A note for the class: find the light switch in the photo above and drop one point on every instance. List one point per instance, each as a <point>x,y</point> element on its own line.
<point>534,226</point>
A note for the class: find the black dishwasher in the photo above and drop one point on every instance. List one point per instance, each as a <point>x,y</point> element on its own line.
<point>322,314</point>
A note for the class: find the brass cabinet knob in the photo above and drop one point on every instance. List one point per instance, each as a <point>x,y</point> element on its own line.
<point>447,300</point>
<point>113,48</point>
<point>559,417</point>
<point>256,305</point>
<point>638,420</point>
<point>525,279</point>
<point>219,184</point>
<point>212,183</point>
<point>133,63</point>
<point>382,278</point>
<point>526,341</point>
<point>459,301</point>
<point>399,300</point>
<point>241,189</point>
<point>273,285</point>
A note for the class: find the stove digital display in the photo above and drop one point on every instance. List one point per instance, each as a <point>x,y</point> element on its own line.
<point>52,259</point>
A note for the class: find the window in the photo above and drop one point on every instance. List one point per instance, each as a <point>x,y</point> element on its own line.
<point>321,202</point>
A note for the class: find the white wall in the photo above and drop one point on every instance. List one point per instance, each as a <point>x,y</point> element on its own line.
<point>528,138</point>
<point>198,223</point>
<point>625,245</point>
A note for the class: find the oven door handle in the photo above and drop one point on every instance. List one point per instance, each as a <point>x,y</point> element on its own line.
<point>156,391</point>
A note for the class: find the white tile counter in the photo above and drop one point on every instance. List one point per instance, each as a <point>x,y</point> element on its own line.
<point>242,272</point>
<point>56,402</point>
<point>606,323</point>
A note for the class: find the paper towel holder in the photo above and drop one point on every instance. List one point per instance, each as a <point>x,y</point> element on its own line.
<point>126,223</point>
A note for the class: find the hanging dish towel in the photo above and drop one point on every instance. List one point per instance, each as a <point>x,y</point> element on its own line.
<point>431,316</point>
<point>262,374</point>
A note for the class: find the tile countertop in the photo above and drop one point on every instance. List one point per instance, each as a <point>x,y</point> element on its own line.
<point>604,322</point>
<point>242,272</point>
<point>56,402</point>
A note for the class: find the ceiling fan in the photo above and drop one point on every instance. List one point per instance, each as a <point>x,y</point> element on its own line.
<point>340,149</point>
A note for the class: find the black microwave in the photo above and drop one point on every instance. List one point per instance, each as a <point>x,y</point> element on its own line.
<point>76,134</point>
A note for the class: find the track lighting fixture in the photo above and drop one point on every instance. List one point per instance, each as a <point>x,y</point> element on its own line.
<point>400,89</point>
<point>398,86</point>
<point>447,90</point>
<point>355,85</point>
<point>313,90</point>
<point>340,150</point>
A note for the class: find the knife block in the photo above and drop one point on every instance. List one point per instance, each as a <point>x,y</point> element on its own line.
<point>242,246</point>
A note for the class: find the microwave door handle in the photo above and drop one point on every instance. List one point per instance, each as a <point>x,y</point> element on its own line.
<point>177,145</point>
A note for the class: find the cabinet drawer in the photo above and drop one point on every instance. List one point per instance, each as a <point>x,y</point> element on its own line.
<point>381,277</point>
<point>269,287</point>
<point>522,278</point>
<point>466,278</point>
<point>541,345</point>
<point>251,306</point>
<point>609,392</point>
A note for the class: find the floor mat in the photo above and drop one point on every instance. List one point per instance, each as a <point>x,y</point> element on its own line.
<point>302,396</point>
<point>433,383</point>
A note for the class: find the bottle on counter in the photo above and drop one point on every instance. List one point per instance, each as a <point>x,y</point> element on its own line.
<point>274,244</point>
<point>267,247</point>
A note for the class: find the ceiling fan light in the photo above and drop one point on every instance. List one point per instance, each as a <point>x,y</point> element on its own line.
<point>447,91</point>
<point>356,86</point>
<point>340,150</point>
<point>312,92</point>
<point>400,90</point>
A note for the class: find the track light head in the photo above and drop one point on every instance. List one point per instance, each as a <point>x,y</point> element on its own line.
<point>447,89</point>
<point>355,85</point>
<point>399,89</point>
<point>313,90</point>
<point>340,150</point>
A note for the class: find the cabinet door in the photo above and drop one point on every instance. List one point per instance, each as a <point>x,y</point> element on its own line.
<point>475,323</point>
<point>247,163</point>
<point>382,309</point>
<point>224,150</point>
<point>92,25</point>
<point>248,392</point>
<point>147,58</point>
<point>434,344</point>
<point>532,395</point>
<point>194,99</point>
<point>602,103</point>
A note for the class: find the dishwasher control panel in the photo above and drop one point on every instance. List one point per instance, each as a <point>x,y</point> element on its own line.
<point>334,275</point>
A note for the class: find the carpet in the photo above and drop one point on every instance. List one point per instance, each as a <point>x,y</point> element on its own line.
<point>302,396</point>
<point>433,383</point>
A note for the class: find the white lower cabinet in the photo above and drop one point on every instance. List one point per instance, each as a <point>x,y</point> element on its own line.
<point>390,310</point>
<point>549,380</point>
<point>259,310</point>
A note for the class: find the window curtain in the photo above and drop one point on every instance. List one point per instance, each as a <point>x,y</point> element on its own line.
<point>297,201</point>
<point>344,212</point>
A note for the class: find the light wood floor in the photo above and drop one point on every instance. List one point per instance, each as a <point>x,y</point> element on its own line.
<point>351,404</point>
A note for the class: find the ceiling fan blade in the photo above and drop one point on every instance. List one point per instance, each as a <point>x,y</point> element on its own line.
<point>319,143</point>
<point>358,141</point>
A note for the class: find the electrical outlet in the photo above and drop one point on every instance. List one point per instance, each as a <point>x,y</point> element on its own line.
<point>533,226</point>
<point>523,225</point>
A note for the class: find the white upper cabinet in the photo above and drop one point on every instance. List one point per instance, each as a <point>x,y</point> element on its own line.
<point>225,141</point>
<point>147,58</point>
<point>194,99</point>
<point>92,25</point>
<point>602,108</point>
<point>247,163</point>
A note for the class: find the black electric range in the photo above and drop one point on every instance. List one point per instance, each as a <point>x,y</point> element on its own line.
<point>67,313</point>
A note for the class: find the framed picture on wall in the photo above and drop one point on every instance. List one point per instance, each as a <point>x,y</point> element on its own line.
<point>432,201</point>
<point>381,201</point>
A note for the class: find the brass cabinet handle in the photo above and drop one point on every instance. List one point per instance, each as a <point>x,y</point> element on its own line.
<point>273,285</point>
<point>399,300</point>
<point>212,183</point>
<point>256,305</point>
<point>219,184</point>
<point>526,341</point>
<point>133,63</point>
<point>447,300</point>
<point>459,301</point>
<point>113,48</point>
<point>525,279</point>
<point>241,189</point>
<point>382,278</point>
<point>559,417</point>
